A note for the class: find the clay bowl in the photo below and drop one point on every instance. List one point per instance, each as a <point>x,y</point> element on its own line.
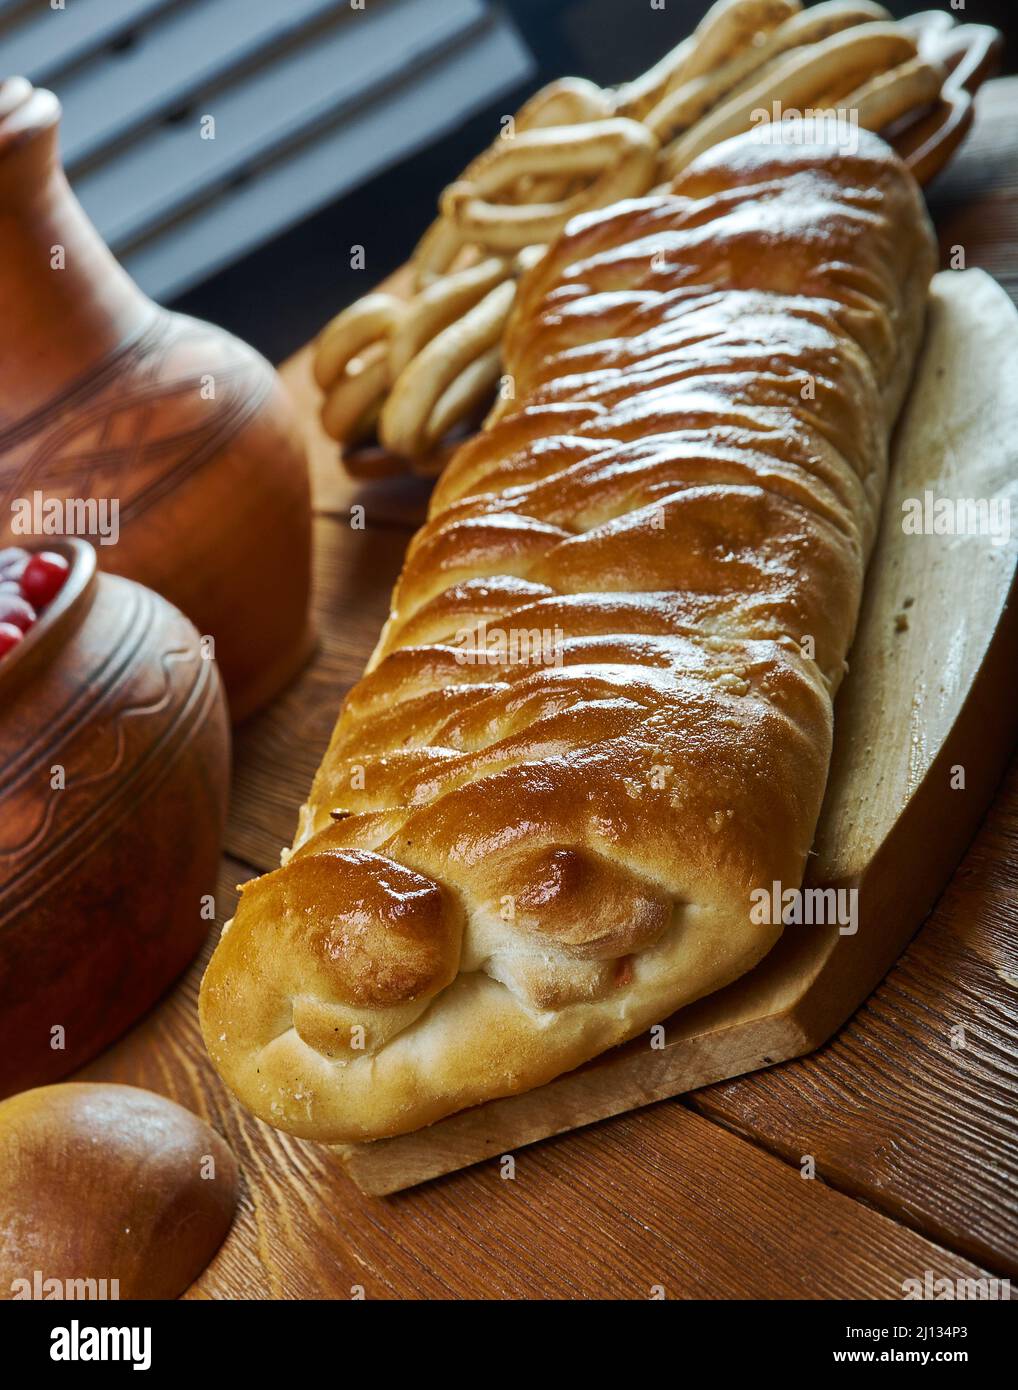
<point>114,766</point>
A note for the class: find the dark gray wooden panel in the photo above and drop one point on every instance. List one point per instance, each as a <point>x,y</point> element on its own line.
<point>377,134</point>
<point>186,49</point>
<point>309,99</point>
<point>38,41</point>
<point>170,166</point>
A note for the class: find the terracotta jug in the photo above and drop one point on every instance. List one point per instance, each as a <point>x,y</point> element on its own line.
<point>114,408</point>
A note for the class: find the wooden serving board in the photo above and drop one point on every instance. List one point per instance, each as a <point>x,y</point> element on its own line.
<point>924,721</point>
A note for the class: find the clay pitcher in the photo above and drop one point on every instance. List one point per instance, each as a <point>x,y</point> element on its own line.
<point>112,407</point>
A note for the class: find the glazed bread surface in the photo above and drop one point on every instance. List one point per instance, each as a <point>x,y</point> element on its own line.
<point>599,716</point>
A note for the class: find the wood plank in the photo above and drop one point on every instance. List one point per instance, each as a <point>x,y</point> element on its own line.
<point>334,76</point>
<point>924,1131</point>
<point>894,1110</point>
<point>172,57</point>
<point>41,41</point>
<point>276,754</point>
<point>974,202</point>
<point>750,1225</point>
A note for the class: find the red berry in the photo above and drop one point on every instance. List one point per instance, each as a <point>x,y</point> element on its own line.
<point>10,636</point>
<point>43,577</point>
<point>16,611</point>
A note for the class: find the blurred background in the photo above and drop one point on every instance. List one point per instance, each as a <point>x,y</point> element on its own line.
<point>336,124</point>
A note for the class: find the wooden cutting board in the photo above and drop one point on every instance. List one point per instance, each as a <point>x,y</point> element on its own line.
<point>924,721</point>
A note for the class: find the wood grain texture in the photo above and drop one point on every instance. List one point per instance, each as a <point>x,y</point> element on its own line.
<point>974,202</point>
<point>901,1108</point>
<point>276,754</point>
<point>893,1112</point>
<point>660,1198</point>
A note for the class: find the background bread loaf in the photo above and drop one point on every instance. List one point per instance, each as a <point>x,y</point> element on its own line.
<point>506,866</point>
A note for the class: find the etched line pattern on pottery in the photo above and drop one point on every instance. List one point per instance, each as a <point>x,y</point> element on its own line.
<point>137,432</point>
<point>142,754</point>
<point>123,637</point>
<point>64,853</point>
<point>122,359</point>
<point>116,761</point>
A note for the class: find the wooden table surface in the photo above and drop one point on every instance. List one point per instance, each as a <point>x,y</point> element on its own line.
<point>913,1137</point>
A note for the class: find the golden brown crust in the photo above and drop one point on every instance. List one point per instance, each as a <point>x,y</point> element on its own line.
<point>600,713</point>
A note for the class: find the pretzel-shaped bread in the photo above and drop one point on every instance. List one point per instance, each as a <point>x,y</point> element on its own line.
<point>351,364</point>
<point>573,147</point>
<point>620,154</point>
<point>592,729</point>
<point>797,81</point>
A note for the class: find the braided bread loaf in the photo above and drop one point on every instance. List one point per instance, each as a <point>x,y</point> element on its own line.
<point>507,866</point>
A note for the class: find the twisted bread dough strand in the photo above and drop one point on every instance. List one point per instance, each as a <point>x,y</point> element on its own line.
<point>620,154</point>
<point>418,411</point>
<point>351,363</point>
<point>439,305</point>
<point>566,101</point>
<point>728,29</point>
<point>684,105</point>
<point>796,80</point>
<point>882,100</point>
<point>505,868</point>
